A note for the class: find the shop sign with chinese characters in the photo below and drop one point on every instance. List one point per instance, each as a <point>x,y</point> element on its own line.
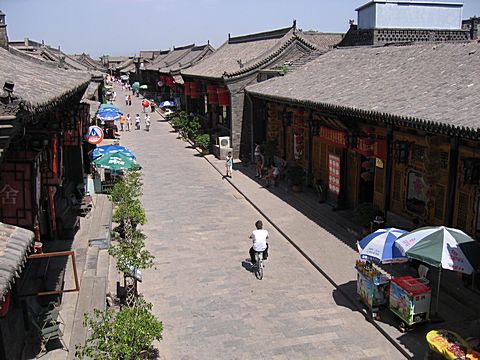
<point>334,174</point>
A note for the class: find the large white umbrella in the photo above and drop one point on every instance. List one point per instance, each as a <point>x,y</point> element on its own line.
<point>441,247</point>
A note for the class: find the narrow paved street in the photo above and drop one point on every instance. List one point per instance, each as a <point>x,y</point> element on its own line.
<point>211,305</point>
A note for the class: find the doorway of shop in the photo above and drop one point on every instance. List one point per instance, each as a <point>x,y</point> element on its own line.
<point>367,176</point>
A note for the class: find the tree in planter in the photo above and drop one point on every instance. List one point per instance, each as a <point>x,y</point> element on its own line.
<point>203,142</point>
<point>130,253</point>
<point>364,214</point>
<point>192,127</point>
<point>179,121</point>
<point>124,335</point>
<point>294,174</point>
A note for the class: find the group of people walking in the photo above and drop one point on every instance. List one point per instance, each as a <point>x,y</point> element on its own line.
<point>273,171</point>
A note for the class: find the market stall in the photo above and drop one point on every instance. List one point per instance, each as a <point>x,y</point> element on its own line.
<point>372,286</point>
<point>450,345</point>
<point>410,300</point>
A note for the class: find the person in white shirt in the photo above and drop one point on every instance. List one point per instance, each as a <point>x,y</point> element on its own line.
<point>259,238</point>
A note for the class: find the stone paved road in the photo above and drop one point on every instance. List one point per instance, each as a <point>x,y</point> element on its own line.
<point>211,306</point>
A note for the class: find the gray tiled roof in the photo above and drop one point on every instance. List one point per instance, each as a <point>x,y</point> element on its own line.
<point>195,54</point>
<point>15,245</point>
<point>36,83</point>
<point>124,64</point>
<point>157,62</point>
<point>433,82</point>
<point>245,49</point>
<point>165,61</point>
<point>88,61</point>
<point>322,39</point>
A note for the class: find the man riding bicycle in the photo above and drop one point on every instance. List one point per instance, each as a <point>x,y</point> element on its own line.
<point>259,238</point>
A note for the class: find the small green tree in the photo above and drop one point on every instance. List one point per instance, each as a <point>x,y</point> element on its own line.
<point>122,335</point>
<point>202,141</point>
<point>130,253</point>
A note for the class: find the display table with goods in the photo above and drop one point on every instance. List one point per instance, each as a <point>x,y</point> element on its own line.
<point>410,300</point>
<point>372,286</point>
<point>449,345</point>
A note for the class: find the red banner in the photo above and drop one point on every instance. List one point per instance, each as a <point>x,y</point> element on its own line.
<point>333,136</point>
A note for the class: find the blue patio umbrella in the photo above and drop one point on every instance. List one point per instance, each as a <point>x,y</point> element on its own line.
<point>379,246</point>
<point>106,149</point>
<point>108,115</point>
<point>167,103</point>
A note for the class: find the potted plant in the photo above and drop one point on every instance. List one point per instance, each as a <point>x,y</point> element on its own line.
<point>294,174</point>
<point>364,214</point>
<point>203,142</point>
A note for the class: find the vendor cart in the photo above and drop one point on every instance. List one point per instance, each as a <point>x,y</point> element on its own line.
<point>410,300</point>
<point>372,286</point>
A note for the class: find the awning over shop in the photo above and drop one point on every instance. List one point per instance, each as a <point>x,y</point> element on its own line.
<point>15,244</point>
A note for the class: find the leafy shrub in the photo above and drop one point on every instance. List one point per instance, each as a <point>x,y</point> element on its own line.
<point>202,141</point>
<point>123,335</point>
<point>294,173</point>
<point>364,213</point>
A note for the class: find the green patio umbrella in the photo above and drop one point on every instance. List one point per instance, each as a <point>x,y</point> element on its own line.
<point>144,87</point>
<point>443,248</point>
<point>136,85</point>
<point>116,161</point>
<point>124,77</point>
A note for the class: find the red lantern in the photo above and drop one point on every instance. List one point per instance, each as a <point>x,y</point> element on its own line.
<point>212,94</point>
<point>366,176</point>
<point>194,90</point>
<point>187,89</point>
<point>223,97</point>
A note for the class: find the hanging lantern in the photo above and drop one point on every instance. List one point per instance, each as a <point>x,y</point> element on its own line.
<point>212,94</point>
<point>186,87</point>
<point>194,90</point>
<point>223,97</point>
<point>366,176</point>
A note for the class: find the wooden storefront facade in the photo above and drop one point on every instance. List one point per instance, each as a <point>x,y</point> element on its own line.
<point>418,174</point>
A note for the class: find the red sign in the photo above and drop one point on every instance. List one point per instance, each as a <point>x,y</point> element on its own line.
<point>17,186</point>
<point>334,174</point>
<point>332,136</point>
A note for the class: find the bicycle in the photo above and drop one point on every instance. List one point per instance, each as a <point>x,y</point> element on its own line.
<point>259,265</point>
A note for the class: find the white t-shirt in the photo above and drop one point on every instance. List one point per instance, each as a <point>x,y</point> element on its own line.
<point>259,238</point>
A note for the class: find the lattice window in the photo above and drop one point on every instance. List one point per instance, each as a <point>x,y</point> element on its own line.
<point>444,160</point>
<point>418,153</point>
<point>397,182</point>
<point>379,173</point>
<point>462,210</point>
<point>439,202</point>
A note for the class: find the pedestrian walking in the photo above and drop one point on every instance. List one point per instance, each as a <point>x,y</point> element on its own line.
<point>229,165</point>
<point>122,122</point>
<point>272,175</point>
<point>114,95</point>
<point>126,100</point>
<point>145,105</point>
<point>147,123</point>
<point>129,100</point>
<point>259,166</point>
<point>128,122</point>
<point>152,105</point>
<point>137,121</point>
<point>257,152</point>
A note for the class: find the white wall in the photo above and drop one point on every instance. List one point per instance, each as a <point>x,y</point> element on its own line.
<point>410,15</point>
